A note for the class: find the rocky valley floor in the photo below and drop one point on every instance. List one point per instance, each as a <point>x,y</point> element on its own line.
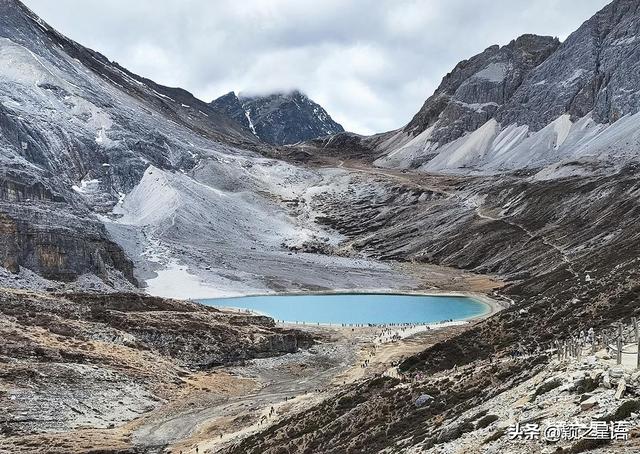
<point>125,373</point>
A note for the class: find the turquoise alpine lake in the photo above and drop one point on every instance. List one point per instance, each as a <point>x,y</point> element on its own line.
<point>357,308</point>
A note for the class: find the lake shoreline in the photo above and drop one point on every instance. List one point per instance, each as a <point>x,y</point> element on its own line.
<point>492,306</point>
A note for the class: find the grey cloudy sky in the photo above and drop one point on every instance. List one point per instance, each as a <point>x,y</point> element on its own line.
<point>370,63</point>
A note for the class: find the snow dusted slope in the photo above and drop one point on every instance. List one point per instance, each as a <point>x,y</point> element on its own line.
<point>65,120</point>
<point>219,230</point>
<point>100,167</point>
<point>533,103</point>
<point>494,149</point>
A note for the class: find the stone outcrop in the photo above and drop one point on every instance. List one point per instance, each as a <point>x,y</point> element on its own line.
<point>58,245</point>
<point>74,360</point>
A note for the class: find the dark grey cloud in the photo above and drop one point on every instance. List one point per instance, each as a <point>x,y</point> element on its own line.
<point>371,63</point>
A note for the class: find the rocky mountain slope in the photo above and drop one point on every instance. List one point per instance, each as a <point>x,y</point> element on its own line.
<point>278,118</point>
<point>568,248</point>
<point>83,360</point>
<point>100,167</point>
<point>531,104</point>
<point>553,213</point>
<point>77,132</point>
<point>476,88</point>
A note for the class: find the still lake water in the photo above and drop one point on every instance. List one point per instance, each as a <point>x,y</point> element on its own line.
<point>357,308</point>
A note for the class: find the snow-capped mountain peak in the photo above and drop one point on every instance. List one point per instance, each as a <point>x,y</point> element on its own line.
<point>278,118</point>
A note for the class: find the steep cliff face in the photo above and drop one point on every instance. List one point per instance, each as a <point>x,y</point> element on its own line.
<point>473,92</point>
<point>594,71</point>
<point>532,103</point>
<point>279,118</point>
<point>59,246</point>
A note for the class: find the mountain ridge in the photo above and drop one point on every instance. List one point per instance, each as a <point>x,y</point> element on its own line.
<point>279,118</point>
<point>481,84</point>
<point>573,103</point>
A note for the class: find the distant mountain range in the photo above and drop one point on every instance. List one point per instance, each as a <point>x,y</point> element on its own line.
<point>278,118</point>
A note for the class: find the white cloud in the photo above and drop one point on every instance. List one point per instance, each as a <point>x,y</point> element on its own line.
<point>371,64</point>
